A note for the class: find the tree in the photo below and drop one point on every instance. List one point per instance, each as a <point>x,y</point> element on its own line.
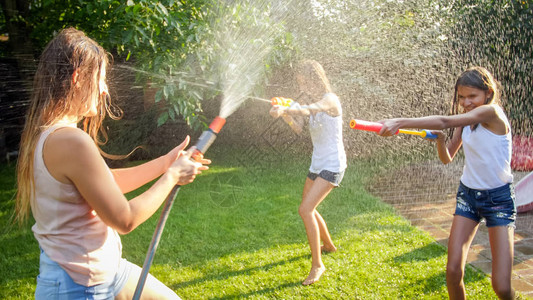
<point>175,45</point>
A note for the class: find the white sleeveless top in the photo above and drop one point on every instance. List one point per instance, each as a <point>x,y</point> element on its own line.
<point>328,146</point>
<point>487,156</point>
<point>68,229</point>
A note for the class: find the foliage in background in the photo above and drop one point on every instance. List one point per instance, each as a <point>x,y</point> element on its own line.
<point>225,61</point>
<point>171,42</point>
<point>384,58</point>
<point>394,58</point>
<point>498,34</point>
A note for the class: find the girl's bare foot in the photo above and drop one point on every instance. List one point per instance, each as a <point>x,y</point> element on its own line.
<point>314,275</point>
<point>328,248</point>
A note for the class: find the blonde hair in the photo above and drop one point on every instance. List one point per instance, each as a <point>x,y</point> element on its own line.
<point>54,97</point>
<point>313,72</point>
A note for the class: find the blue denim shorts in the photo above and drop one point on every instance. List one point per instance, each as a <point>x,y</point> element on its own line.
<point>333,177</point>
<point>54,283</point>
<point>496,206</point>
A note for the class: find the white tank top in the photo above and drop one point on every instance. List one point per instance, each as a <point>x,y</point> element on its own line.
<point>328,146</point>
<point>487,156</point>
<point>68,229</point>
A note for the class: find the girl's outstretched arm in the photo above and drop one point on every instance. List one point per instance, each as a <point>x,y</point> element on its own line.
<point>72,157</point>
<point>130,179</point>
<point>329,103</point>
<point>482,114</point>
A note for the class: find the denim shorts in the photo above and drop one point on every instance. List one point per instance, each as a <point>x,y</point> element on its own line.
<point>54,283</point>
<point>333,177</point>
<point>496,206</point>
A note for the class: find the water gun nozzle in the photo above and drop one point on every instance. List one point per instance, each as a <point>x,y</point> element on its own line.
<point>282,101</point>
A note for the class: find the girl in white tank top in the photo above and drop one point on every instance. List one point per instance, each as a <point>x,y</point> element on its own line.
<point>328,160</point>
<point>485,190</point>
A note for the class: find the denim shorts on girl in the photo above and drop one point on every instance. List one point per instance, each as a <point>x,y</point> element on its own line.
<point>333,177</point>
<point>497,206</point>
<point>54,283</point>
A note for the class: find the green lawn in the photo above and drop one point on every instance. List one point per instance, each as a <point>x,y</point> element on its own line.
<point>235,233</point>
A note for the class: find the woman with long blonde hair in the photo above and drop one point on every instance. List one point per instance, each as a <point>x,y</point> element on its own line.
<point>77,201</point>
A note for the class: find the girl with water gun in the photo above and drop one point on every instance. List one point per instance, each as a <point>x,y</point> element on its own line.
<point>77,202</point>
<point>328,162</point>
<point>485,190</point>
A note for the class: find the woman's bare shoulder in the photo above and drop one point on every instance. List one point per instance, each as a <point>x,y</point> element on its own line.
<point>69,143</point>
<point>68,149</point>
<point>69,137</point>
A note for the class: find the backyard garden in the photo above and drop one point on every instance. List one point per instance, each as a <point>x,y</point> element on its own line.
<point>235,232</point>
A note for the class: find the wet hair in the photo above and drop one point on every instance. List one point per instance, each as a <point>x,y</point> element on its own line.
<point>54,97</point>
<point>478,78</point>
<point>313,72</point>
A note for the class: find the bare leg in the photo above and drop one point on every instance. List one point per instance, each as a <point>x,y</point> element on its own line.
<point>324,234</point>
<point>153,288</point>
<point>314,192</point>
<point>502,250</point>
<point>461,235</point>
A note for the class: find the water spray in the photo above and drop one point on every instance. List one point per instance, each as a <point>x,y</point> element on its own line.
<point>204,142</point>
<point>376,127</point>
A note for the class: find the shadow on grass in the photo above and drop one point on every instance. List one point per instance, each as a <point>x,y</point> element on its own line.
<point>225,275</point>
<point>436,282</point>
<point>265,291</point>
<point>429,251</point>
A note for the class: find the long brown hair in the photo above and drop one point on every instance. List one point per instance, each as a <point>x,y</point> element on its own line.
<point>54,97</point>
<point>479,78</point>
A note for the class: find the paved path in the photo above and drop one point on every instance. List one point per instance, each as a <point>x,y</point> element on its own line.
<point>429,204</point>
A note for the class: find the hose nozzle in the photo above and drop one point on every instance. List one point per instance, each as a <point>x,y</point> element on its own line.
<point>217,124</point>
<point>208,137</point>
